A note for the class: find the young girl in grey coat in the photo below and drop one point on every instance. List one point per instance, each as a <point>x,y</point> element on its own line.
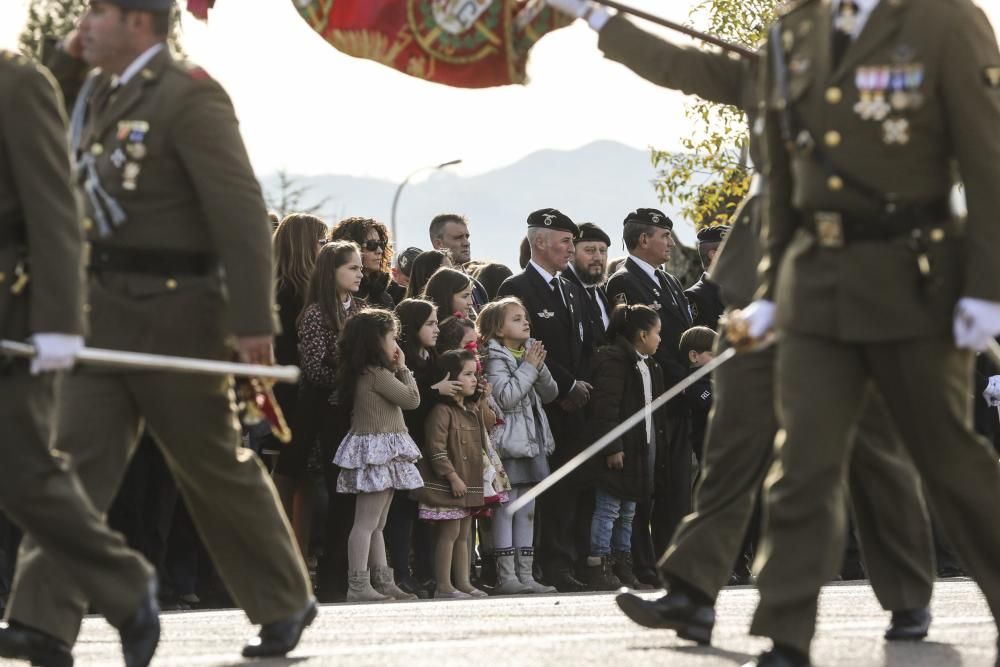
<point>515,367</point>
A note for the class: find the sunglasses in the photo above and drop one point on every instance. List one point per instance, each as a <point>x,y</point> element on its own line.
<point>372,246</point>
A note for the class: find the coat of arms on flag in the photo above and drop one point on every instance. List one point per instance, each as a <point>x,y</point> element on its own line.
<point>464,43</point>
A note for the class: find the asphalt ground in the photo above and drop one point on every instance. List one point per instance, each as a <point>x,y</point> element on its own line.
<point>581,629</point>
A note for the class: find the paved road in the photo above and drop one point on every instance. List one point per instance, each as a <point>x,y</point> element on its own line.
<point>565,630</point>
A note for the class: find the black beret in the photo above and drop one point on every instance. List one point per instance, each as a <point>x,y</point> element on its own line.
<point>591,232</point>
<point>650,216</point>
<point>144,5</point>
<point>550,218</point>
<point>404,260</point>
<point>715,234</point>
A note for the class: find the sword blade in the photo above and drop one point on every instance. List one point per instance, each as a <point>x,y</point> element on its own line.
<point>591,451</point>
<point>161,362</point>
<point>742,51</point>
<point>993,352</point>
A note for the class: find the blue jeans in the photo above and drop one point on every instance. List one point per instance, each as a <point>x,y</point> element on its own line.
<point>611,527</point>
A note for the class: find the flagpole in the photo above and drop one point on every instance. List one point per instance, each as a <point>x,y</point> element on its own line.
<point>742,51</point>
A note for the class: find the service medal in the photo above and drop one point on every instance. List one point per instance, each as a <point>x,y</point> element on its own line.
<point>896,131</point>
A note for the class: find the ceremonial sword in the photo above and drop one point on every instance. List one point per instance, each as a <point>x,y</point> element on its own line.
<point>160,362</point>
<point>741,51</point>
<point>628,424</point>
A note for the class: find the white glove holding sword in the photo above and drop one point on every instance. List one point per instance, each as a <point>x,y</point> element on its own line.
<point>54,352</point>
<point>596,15</point>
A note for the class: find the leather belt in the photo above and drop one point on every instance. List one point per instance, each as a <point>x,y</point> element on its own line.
<point>835,229</point>
<point>121,259</point>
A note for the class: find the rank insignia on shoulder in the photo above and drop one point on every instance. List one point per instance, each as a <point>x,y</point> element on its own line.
<point>991,76</point>
<point>694,310</point>
<point>621,299</point>
<point>546,314</point>
<point>198,74</point>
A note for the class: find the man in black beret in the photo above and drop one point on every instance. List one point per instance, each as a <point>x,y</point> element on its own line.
<point>588,270</point>
<point>558,312</point>
<point>703,296</point>
<point>648,235</point>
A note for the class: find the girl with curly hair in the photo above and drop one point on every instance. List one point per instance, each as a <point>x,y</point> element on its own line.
<point>376,256</point>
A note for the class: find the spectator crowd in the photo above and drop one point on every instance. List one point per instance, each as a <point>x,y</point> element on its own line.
<point>436,389</point>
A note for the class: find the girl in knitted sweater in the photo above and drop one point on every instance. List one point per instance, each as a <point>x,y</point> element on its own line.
<point>378,455</point>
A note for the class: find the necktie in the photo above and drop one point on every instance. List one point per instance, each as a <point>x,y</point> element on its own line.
<point>557,288</point>
<point>845,23</point>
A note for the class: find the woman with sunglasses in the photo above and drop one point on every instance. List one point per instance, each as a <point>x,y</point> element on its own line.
<point>376,257</point>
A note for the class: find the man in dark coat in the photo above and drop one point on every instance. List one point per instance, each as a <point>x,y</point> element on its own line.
<point>649,239</point>
<point>703,297</point>
<point>558,318</point>
<point>588,271</point>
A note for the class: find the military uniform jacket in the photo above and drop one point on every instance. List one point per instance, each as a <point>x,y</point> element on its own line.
<point>705,303</point>
<point>39,219</point>
<point>598,334</point>
<point>563,330</point>
<point>917,90</point>
<point>631,285</point>
<point>167,147</point>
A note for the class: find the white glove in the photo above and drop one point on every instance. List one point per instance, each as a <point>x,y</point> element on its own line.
<point>992,391</point>
<point>596,15</point>
<point>976,323</point>
<point>759,317</point>
<point>54,351</point>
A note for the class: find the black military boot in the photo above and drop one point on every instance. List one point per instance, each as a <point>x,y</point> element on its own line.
<point>909,624</point>
<point>140,634</point>
<point>278,638</point>
<point>779,656</point>
<point>23,642</point>
<point>689,614</point>
<point>599,574</point>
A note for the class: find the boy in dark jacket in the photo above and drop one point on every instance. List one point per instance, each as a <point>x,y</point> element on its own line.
<point>698,345</point>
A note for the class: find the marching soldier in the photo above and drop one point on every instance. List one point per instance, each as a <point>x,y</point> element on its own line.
<point>703,296</point>
<point>738,450</point>
<point>648,236</point>
<point>179,262</point>
<point>864,124</point>
<point>587,269</point>
<point>41,296</point>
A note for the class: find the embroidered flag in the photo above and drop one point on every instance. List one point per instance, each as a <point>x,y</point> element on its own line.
<point>199,8</point>
<point>462,43</point>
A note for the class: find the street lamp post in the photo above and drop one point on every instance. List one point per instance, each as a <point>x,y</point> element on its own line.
<point>399,191</point>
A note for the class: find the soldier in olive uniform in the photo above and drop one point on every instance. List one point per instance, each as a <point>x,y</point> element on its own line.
<point>885,490</point>
<point>180,263</point>
<point>703,296</point>
<point>869,105</point>
<point>41,296</point>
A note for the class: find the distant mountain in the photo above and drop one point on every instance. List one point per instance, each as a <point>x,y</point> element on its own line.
<point>599,182</point>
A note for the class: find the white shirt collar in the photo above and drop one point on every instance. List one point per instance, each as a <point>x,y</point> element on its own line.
<point>546,276</point>
<point>138,64</point>
<point>647,267</point>
<point>865,9</point>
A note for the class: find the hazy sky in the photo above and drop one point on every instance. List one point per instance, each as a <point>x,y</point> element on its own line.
<point>306,107</point>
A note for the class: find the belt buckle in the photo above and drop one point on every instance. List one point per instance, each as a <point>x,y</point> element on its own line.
<point>829,229</point>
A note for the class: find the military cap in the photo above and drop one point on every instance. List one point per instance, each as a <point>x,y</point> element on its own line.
<point>591,232</point>
<point>716,234</point>
<point>650,216</point>
<point>550,218</point>
<point>404,260</point>
<point>144,5</point>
